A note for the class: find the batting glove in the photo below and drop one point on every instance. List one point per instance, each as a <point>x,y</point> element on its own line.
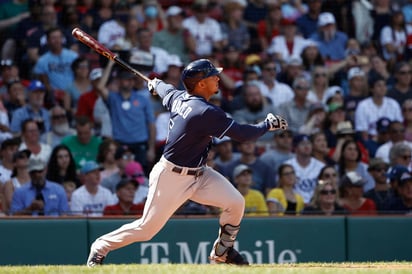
<point>276,122</point>
<point>152,85</point>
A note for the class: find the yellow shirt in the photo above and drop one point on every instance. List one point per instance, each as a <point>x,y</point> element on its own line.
<point>278,196</point>
<point>255,204</point>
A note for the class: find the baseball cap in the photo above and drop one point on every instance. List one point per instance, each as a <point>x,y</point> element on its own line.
<point>174,60</point>
<point>173,11</point>
<point>395,172</point>
<point>133,170</point>
<point>345,127</point>
<point>352,178</point>
<point>120,151</point>
<point>332,91</point>
<point>240,169</point>
<point>89,166</point>
<point>96,73</point>
<point>382,125</point>
<point>36,85</point>
<point>326,18</point>
<point>218,141</point>
<point>36,165</point>
<point>124,182</point>
<point>355,72</point>
<point>405,177</point>
<point>21,153</point>
<point>297,139</point>
<point>376,163</point>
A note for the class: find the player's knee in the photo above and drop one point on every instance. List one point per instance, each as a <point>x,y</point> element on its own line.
<point>236,203</point>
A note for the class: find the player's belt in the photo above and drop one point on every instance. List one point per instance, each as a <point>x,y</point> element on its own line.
<point>193,172</point>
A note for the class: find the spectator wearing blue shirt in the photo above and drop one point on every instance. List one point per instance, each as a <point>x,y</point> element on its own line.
<point>39,196</point>
<point>331,42</point>
<point>33,110</point>
<point>308,22</point>
<point>133,120</point>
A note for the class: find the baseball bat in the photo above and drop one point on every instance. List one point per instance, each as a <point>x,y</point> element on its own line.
<point>92,43</point>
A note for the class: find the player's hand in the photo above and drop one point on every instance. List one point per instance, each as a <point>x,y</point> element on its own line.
<point>276,122</point>
<point>152,85</point>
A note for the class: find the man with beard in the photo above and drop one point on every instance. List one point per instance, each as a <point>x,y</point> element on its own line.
<point>255,109</point>
<point>39,196</point>
<point>331,42</point>
<point>297,109</point>
<point>59,127</point>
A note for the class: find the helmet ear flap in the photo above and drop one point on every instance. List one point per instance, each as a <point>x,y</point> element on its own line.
<point>190,83</point>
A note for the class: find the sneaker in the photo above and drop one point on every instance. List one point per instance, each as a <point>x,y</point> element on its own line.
<point>231,256</point>
<point>95,259</point>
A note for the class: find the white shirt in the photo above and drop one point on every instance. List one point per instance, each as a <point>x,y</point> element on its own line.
<point>84,203</point>
<point>307,177</point>
<point>43,155</point>
<point>5,174</point>
<point>279,94</point>
<point>278,45</point>
<point>367,113</point>
<point>205,33</point>
<point>109,32</point>
<point>383,150</point>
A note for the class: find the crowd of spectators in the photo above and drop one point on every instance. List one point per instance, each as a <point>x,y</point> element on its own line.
<point>79,134</point>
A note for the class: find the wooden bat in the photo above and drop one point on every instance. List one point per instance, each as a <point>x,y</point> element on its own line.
<point>92,43</point>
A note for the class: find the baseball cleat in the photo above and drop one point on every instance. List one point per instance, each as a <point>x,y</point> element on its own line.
<point>231,256</point>
<point>95,259</point>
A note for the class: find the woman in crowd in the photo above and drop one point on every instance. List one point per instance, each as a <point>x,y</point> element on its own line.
<point>283,199</point>
<point>320,83</point>
<point>320,149</point>
<point>330,174</point>
<point>81,84</point>
<point>407,116</point>
<point>311,57</point>
<point>324,200</point>
<point>61,166</point>
<point>105,157</point>
<point>350,161</point>
<point>19,177</point>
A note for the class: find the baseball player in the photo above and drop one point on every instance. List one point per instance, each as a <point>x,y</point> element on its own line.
<point>181,173</point>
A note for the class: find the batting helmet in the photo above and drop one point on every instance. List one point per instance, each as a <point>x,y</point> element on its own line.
<point>198,70</point>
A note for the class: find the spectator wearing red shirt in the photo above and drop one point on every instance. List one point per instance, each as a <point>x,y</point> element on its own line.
<point>351,190</point>
<point>125,191</point>
<point>87,100</point>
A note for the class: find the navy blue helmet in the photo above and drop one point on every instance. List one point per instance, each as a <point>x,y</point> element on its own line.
<point>198,70</point>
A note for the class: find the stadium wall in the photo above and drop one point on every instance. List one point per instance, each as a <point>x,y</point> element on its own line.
<point>261,240</point>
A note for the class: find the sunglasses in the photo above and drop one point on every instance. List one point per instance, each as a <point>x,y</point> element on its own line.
<point>329,175</point>
<point>404,72</point>
<point>320,75</point>
<point>406,157</point>
<point>302,88</point>
<point>59,117</point>
<point>270,69</point>
<point>288,173</point>
<point>407,109</point>
<point>326,192</point>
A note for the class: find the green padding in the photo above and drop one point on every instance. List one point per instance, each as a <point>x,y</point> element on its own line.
<point>276,240</point>
<point>30,242</point>
<point>379,239</point>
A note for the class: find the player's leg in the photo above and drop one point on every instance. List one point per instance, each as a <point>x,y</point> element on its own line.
<point>167,192</point>
<point>215,190</point>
